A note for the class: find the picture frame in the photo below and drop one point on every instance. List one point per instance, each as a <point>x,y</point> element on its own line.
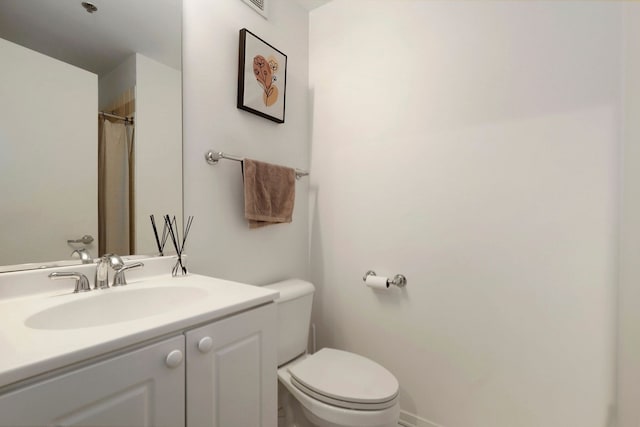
<point>262,78</point>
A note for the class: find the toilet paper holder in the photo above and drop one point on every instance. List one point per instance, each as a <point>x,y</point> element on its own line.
<point>398,280</point>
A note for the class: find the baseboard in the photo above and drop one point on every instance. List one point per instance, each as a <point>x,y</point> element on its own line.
<point>411,420</point>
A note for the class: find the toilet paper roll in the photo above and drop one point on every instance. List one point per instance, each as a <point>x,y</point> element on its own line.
<point>376,282</point>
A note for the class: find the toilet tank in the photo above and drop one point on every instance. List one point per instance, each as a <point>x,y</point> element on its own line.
<point>294,316</point>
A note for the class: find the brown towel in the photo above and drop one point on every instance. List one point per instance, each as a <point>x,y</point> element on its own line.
<point>269,193</point>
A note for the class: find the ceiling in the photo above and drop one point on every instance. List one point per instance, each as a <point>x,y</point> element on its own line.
<point>100,41</point>
<point>312,4</point>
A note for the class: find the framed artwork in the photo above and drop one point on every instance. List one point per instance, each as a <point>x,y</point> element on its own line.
<point>262,77</point>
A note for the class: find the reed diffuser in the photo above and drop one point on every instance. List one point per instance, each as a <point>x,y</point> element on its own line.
<point>174,232</point>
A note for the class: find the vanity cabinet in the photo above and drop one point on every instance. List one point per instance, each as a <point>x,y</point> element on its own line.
<point>132,389</point>
<point>229,366</point>
<point>231,371</point>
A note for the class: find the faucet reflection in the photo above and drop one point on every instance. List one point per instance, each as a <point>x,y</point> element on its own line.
<point>84,255</point>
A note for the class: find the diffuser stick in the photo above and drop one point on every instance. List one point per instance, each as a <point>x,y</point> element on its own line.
<point>186,231</point>
<point>169,224</point>
<point>155,234</point>
<point>176,232</point>
<point>165,235</point>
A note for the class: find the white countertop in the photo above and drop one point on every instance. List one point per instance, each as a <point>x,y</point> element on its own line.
<point>27,352</point>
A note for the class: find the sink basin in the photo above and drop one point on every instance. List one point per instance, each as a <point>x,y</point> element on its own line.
<point>110,306</point>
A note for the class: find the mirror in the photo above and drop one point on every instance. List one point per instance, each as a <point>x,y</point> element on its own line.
<point>67,172</point>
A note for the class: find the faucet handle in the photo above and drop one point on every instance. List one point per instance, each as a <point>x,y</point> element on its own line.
<point>82,283</point>
<point>119,279</point>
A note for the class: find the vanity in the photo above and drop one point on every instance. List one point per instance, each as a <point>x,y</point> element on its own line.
<point>160,351</point>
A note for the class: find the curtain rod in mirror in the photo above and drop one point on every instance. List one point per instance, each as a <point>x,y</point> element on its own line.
<point>115,116</point>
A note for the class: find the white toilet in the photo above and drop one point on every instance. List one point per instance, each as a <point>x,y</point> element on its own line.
<point>334,388</point>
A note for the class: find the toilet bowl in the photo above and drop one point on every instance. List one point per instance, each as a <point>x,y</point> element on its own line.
<point>334,388</point>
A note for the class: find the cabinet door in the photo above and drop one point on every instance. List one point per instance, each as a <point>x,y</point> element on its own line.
<point>130,390</point>
<point>232,371</point>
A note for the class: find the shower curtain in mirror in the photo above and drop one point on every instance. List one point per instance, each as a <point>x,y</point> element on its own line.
<point>115,187</point>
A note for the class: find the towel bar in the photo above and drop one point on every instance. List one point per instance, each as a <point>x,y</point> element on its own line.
<point>213,157</point>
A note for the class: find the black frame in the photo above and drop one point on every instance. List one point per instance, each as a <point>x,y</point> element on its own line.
<point>243,63</point>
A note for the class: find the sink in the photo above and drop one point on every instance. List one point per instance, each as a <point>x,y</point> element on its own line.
<point>110,306</point>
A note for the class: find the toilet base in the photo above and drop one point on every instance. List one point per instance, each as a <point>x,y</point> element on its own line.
<point>292,414</point>
<point>317,422</point>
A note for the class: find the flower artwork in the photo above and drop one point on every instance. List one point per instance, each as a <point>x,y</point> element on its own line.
<point>265,71</point>
<point>261,78</point>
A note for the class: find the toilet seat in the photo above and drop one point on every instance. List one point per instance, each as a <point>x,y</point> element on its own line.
<point>322,413</point>
<point>345,380</point>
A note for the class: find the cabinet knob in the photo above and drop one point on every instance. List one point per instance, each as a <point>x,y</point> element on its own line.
<point>174,359</point>
<point>205,344</point>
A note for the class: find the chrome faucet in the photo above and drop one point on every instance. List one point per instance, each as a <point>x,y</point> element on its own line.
<point>119,279</point>
<point>82,283</point>
<point>102,273</point>
<point>84,255</point>
<point>102,269</point>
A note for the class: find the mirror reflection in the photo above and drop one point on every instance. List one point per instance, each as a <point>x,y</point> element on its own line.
<point>90,127</point>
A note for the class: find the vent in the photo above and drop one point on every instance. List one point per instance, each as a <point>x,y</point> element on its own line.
<point>260,6</point>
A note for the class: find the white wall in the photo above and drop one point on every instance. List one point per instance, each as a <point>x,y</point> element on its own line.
<point>629,276</point>
<point>117,81</point>
<point>471,146</point>
<point>221,244</point>
<point>47,110</point>
<point>158,133</point>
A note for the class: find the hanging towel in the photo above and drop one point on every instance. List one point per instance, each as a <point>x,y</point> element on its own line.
<point>269,193</point>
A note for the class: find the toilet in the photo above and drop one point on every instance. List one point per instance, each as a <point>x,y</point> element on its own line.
<point>332,388</point>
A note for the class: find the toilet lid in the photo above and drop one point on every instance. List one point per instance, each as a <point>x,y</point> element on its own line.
<point>345,377</point>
